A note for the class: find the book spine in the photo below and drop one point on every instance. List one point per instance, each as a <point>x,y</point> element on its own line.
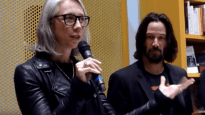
<point>201,20</point>
<point>186,18</point>
<point>204,19</point>
<point>189,17</point>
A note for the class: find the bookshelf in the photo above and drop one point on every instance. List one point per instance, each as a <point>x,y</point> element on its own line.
<point>196,1</point>
<point>194,75</point>
<point>195,37</point>
<point>174,9</point>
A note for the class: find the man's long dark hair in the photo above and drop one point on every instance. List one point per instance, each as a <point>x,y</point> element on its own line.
<point>171,48</point>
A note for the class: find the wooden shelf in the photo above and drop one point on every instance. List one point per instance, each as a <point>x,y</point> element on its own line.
<point>198,37</point>
<point>193,74</point>
<point>196,1</point>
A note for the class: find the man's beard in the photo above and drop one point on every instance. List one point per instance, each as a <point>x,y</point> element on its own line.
<point>154,55</point>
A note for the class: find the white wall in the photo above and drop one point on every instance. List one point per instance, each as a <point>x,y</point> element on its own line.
<point>133,23</point>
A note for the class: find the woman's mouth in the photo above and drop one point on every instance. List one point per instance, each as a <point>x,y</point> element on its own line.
<point>75,37</point>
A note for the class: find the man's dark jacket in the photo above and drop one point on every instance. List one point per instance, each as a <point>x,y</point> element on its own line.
<point>202,88</point>
<point>42,89</point>
<point>130,93</point>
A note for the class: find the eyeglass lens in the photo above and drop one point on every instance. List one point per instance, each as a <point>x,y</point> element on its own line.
<point>71,19</point>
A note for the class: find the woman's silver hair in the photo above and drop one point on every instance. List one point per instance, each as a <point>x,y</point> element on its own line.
<point>45,37</point>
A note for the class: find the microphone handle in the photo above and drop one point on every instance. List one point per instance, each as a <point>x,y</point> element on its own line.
<point>99,82</point>
<point>96,77</point>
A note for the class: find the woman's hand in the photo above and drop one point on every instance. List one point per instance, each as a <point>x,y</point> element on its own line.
<point>173,90</point>
<point>85,67</point>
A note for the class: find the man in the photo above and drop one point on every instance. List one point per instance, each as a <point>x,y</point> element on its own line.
<point>143,88</point>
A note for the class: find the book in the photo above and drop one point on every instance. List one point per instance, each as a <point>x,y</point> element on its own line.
<point>194,18</point>
<point>203,18</point>
<point>200,58</point>
<point>189,18</point>
<point>186,5</point>
<point>191,60</point>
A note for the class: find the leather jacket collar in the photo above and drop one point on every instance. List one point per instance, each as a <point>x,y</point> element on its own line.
<point>60,84</point>
<point>42,61</point>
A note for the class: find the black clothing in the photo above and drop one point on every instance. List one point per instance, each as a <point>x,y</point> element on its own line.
<point>42,89</point>
<point>154,80</point>
<point>67,68</point>
<point>202,88</point>
<point>130,93</point>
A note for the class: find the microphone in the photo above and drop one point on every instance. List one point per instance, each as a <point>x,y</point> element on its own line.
<point>85,51</point>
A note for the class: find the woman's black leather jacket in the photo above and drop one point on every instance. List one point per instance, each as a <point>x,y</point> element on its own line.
<point>42,89</point>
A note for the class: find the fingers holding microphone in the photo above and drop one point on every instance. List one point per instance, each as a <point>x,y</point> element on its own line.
<point>85,67</point>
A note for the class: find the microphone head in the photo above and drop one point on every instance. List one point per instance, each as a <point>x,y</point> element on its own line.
<point>83,46</point>
<point>84,49</point>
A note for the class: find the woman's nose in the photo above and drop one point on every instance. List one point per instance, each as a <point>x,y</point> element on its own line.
<point>77,24</point>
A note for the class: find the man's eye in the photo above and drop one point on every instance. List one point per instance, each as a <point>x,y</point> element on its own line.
<point>162,38</point>
<point>150,37</point>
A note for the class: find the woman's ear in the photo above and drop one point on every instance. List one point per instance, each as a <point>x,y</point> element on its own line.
<point>52,27</point>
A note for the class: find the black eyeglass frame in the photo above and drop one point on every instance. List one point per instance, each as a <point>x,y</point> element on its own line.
<point>76,17</point>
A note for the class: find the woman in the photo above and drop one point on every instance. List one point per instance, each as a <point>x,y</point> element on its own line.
<point>53,82</point>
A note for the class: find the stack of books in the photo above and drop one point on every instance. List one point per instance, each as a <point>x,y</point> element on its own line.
<point>194,19</point>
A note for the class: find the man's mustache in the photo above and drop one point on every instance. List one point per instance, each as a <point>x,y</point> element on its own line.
<point>154,49</point>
